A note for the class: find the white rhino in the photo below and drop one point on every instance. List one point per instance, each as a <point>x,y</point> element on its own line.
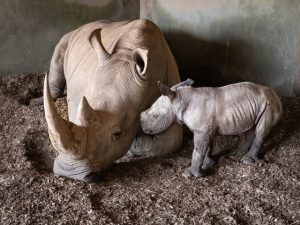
<point>111,71</point>
<point>230,110</point>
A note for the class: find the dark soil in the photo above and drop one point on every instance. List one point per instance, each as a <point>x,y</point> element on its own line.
<point>145,190</point>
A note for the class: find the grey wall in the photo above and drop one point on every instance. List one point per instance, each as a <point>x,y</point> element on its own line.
<point>29,29</point>
<point>214,41</point>
<point>222,41</point>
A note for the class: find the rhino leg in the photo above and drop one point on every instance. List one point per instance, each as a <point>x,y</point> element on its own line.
<point>262,129</point>
<point>252,155</point>
<point>163,143</point>
<point>244,146</point>
<point>57,81</point>
<point>208,162</point>
<point>202,145</point>
<point>268,119</point>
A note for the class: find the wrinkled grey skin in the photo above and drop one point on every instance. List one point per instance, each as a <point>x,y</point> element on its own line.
<point>111,71</point>
<point>230,110</point>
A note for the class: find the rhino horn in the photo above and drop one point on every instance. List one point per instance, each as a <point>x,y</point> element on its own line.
<point>96,43</point>
<point>85,113</point>
<point>66,137</point>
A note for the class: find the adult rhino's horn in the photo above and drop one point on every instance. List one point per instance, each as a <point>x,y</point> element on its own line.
<point>96,43</point>
<point>66,137</point>
<point>85,113</point>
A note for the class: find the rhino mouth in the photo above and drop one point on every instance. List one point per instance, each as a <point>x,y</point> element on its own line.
<point>74,170</point>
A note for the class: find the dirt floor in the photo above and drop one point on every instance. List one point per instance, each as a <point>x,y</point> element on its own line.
<point>142,191</point>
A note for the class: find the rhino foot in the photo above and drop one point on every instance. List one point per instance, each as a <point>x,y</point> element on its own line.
<point>132,154</point>
<point>246,159</point>
<point>239,151</point>
<point>36,101</point>
<point>208,163</point>
<point>92,177</point>
<point>191,172</point>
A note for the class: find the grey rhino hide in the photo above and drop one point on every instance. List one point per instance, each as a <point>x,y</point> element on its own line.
<point>233,109</point>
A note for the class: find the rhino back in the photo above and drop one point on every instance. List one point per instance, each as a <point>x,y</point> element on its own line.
<point>239,106</point>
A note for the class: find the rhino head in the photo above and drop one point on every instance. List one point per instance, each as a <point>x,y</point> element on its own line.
<point>102,128</point>
<point>161,114</point>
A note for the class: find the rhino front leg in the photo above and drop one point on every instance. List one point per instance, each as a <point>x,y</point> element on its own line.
<point>208,162</point>
<point>202,145</point>
<point>163,143</point>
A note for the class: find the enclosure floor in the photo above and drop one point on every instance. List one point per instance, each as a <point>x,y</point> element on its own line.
<point>142,190</point>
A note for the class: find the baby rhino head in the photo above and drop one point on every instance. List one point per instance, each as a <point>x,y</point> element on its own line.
<point>161,115</point>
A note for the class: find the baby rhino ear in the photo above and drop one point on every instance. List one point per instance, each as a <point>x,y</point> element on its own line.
<point>166,91</point>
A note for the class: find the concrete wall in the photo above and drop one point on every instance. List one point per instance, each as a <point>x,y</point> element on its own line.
<point>222,41</point>
<point>29,29</point>
<point>214,42</point>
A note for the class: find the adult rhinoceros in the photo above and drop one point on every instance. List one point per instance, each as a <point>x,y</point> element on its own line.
<point>111,71</point>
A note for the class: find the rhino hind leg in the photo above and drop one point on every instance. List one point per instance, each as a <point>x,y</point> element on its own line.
<point>36,101</point>
<point>57,81</point>
<point>245,145</point>
<point>252,144</point>
<point>252,155</point>
<point>268,119</point>
<point>163,143</point>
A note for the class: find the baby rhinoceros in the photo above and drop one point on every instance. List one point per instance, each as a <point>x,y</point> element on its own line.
<point>229,110</point>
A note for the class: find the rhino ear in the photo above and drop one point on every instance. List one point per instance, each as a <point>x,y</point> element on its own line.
<point>140,57</point>
<point>85,113</point>
<point>166,91</point>
<point>188,82</point>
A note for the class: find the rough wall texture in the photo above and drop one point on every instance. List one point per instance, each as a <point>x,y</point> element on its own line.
<point>30,29</point>
<point>218,41</point>
<point>215,41</point>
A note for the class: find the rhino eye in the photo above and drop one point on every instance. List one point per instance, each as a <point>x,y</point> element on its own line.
<point>116,135</point>
<point>155,116</point>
